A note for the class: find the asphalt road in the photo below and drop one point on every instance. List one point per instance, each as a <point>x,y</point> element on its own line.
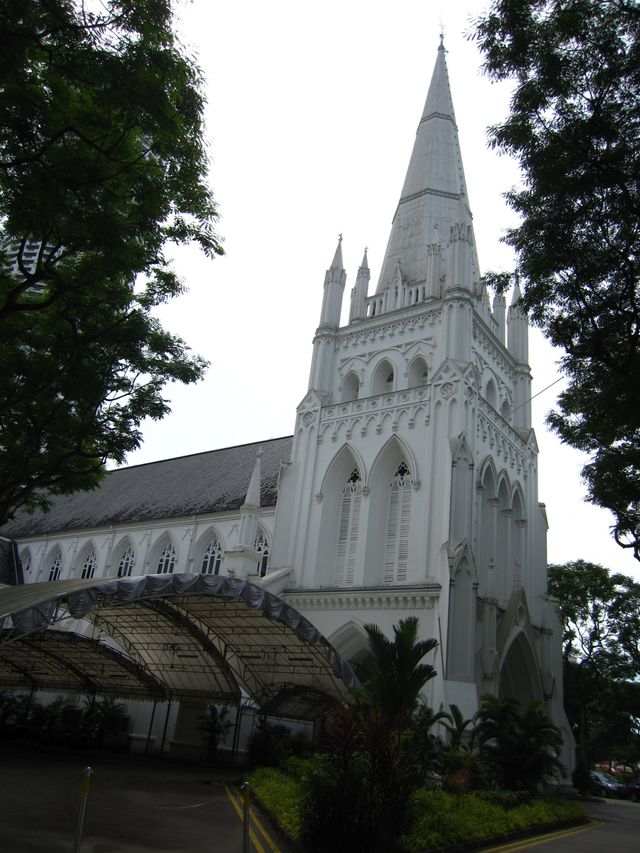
<point>146,805</point>
<point>134,805</point>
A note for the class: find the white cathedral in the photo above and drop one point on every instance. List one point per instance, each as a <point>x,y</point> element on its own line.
<point>409,486</point>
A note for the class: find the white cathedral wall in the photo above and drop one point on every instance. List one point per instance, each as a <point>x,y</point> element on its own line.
<point>189,536</point>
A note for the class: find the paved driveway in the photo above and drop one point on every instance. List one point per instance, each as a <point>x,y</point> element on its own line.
<point>135,805</point>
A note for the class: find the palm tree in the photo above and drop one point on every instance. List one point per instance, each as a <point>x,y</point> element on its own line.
<point>524,746</point>
<point>424,745</point>
<point>397,675</point>
<point>456,726</point>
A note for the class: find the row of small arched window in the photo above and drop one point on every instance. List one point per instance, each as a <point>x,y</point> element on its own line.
<point>383,380</point>
<point>210,564</point>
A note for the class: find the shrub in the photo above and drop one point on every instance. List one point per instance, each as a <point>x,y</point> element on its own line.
<point>357,793</point>
<point>269,746</point>
<point>523,745</point>
<point>281,796</point>
<point>438,819</point>
<point>461,770</point>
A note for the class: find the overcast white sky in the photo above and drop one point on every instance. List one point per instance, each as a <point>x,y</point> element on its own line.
<point>312,112</point>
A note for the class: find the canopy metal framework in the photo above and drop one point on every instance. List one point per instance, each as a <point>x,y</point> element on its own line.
<point>166,637</point>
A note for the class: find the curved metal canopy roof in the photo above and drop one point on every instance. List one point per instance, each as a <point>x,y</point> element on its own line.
<point>168,636</point>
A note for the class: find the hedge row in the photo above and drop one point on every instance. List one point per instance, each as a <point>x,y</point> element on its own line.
<point>435,819</point>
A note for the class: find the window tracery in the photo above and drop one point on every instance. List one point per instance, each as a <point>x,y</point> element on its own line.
<point>89,565</point>
<point>55,567</point>
<point>261,545</point>
<point>212,558</point>
<point>166,560</point>
<point>126,562</point>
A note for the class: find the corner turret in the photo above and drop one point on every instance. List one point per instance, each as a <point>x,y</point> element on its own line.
<point>359,293</point>
<point>518,346</point>
<point>322,362</point>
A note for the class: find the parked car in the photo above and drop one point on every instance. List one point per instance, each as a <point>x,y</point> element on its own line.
<point>604,785</point>
<point>633,790</point>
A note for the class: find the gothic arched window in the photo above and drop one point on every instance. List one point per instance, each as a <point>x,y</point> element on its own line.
<point>348,529</point>
<point>261,545</point>
<point>25,559</point>
<point>166,560</point>
<point>126,562</point>
<point>89,565</point>
<point>383,377</point>
<point>396,549</point>
<point>212,558</point>
<point>55,566</point>
<point>418,372</point>
<point>350,388</point>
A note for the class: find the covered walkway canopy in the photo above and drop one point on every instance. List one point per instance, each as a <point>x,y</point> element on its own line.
<point>167,637</point>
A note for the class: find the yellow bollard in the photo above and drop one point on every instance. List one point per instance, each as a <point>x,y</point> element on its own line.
<point>245,790</point>
<point>85,786</point>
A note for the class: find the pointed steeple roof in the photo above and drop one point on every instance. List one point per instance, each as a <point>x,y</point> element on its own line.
<point>434,187</point>
<point>336,263</point>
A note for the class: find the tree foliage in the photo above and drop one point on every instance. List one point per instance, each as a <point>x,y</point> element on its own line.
<point>102,166</point>
<point>522,744</point>
<point>574,128</point>
<point>600,614</point>
<point>398,673</point>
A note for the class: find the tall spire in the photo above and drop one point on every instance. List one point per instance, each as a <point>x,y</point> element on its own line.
<point>434,187</point>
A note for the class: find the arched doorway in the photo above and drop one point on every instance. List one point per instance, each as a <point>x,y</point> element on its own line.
<point>519,673</point>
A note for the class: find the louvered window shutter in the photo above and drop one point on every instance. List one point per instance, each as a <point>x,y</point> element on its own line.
<point>396,551</point>
<point>348,530</point>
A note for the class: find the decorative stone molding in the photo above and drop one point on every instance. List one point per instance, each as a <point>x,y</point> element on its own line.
<point>494,431</point>
<point>374,412</point>
<point>494,352</point>
<point>365,598</point>
<point>376,331</point>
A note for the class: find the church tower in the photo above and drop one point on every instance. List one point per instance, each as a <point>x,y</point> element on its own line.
<point>412,483</point>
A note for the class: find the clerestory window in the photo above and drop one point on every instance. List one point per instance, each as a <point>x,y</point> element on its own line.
<point>126,563</point>
<point>212,558</point>
<point>261,545</point>
<point>89,565</point>
<point>167,560</point>
<point>55,567</point>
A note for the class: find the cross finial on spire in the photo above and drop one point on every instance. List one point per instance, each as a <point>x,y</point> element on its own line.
<point>340,238</point>
<point>441,46</point>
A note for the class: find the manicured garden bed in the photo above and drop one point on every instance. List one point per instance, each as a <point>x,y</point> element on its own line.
<point>435,819</point>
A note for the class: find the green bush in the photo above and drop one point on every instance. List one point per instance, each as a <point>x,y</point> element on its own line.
<point>281,796</point>
<point>506,799</point>
<point>356,793</point>
<point>435,818</point>
<point>271,745</point>
<point>438,819</point>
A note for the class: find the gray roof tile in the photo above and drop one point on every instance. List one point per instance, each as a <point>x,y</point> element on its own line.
<point>214,481</point>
